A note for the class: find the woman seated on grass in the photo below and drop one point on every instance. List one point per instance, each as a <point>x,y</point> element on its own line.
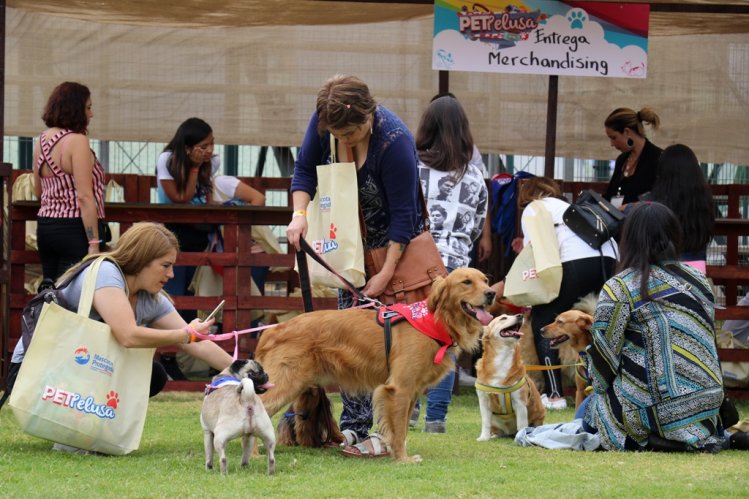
<point>653,362</point>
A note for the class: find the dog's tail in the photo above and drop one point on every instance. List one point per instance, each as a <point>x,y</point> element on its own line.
<point>246,390</point>
<point>587,304</point>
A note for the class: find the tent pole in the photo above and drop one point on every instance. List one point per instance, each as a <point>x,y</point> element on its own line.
<point>551,126</point>
<point>444,81</point>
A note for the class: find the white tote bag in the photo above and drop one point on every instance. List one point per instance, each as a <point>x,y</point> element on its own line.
<point>333,229</point>
<point>77,385</point>
<point>536,274</point>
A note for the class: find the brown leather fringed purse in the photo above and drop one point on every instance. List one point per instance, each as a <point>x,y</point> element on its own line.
<point>419,265</point>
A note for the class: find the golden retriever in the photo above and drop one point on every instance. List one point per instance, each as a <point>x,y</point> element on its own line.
<point>509,401</point>
<point>347,348</point>
<point>571,331</point>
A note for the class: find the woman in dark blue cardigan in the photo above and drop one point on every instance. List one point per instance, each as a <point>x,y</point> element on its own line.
<point>384,152</point>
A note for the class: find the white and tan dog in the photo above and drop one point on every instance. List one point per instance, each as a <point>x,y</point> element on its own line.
<point>232,408</point>
<point>509,401</point>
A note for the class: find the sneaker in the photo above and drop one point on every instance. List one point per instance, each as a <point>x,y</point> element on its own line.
<point>413,421</point>
<point>558,404</point>
<point>435,427</point>
<point>465,379</point>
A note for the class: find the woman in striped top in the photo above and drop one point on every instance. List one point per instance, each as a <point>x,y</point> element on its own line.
<point>69,181</point>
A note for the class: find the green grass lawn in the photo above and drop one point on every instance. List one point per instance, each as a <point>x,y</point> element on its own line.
<point>169,463</point>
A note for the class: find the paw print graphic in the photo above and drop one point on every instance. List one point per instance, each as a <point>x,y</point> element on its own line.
<point>113,399</point>
<point>577,18</point>
<point>333,230</point>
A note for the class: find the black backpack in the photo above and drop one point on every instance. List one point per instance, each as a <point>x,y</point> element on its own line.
<point>30,316</point>
<point>33,308</point>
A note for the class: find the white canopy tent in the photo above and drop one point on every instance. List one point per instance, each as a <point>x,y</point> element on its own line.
<point>252,68</point>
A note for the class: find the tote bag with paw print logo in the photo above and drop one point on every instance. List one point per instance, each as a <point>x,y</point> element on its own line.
<point>333,229</point>
<point>536,274</point>
<point>77,385</point>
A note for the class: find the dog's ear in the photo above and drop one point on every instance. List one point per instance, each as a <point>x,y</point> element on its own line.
<point>237,366</point>
<point>439,288</point>
<point>585,321</point>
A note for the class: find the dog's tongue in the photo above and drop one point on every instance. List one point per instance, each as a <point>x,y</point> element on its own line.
<point>483,316</point>
<point>267,386</point>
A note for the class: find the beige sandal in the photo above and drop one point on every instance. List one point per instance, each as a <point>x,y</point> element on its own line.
<point>371,447</point>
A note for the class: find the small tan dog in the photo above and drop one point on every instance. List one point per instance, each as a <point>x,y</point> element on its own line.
<point>232,408</point>
<point>571,331</point>
<point>508,400</point>
<point>572,327</point>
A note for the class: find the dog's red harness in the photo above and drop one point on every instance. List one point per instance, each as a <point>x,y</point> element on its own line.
<point>419,316</point>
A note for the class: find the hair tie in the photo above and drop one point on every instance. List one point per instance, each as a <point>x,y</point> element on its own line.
<point>348,106</point>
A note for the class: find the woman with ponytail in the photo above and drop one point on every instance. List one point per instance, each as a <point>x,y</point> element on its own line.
<point>635,168</point>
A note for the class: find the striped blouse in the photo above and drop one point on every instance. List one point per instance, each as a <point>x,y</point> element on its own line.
<point>653,363</point>
<point>59,197</point>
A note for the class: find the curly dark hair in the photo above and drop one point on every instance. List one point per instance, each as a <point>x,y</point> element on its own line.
<point>66,107</point>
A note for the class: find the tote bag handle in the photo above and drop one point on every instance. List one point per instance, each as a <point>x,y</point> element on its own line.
<point>89,285</point>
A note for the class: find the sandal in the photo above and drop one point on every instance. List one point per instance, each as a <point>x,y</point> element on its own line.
<point>371,447</point>
<point>349,438</point>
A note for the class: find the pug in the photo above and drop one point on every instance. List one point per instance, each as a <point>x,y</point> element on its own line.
<point>232,408</point>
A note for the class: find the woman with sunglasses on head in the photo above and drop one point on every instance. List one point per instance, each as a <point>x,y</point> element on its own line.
<point>383,150</point>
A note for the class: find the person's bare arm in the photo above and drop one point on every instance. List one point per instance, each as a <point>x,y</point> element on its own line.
<point>170,188</point>
<point>297,228</point>
<point>249,194</point>
<point>378,282</point>
<point>113,306</point>
<point>37,179</point>
<point>207,351</point>
<point>485,242</point>
<point>81,165</point>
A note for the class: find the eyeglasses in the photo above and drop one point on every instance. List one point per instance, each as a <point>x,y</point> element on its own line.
<point>342,134</point>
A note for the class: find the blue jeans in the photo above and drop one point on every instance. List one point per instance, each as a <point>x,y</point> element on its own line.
<point>580,414</point>
<point>439,397</point>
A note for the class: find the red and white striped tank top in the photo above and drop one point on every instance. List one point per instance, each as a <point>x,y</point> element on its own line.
<point>59,199</point>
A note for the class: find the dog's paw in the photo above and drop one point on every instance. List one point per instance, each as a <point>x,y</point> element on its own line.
<point>483,438</point>
<point>415,459</point>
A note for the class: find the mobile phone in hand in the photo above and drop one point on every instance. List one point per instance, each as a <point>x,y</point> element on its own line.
<point>215,311</point>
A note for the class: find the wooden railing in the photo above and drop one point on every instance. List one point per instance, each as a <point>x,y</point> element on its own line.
<point>237,259</point>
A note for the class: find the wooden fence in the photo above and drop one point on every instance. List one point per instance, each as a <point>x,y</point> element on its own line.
<point>236,260</point>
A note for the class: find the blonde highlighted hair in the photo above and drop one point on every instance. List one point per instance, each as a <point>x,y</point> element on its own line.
<point>534,188</point>
<point>622,118</point>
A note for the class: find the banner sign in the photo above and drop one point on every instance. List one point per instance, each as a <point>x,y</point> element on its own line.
<point>548,37</point>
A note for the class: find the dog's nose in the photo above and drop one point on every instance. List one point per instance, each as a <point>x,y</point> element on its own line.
<point>490,294</point>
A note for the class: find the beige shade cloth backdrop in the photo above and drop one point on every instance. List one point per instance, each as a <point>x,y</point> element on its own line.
<point>256,84</point>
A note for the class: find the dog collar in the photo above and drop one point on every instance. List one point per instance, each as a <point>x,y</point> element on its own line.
<point>500,389</point>
<point>219,382</point>
<point>505,395</point>
<point>419,316</point>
